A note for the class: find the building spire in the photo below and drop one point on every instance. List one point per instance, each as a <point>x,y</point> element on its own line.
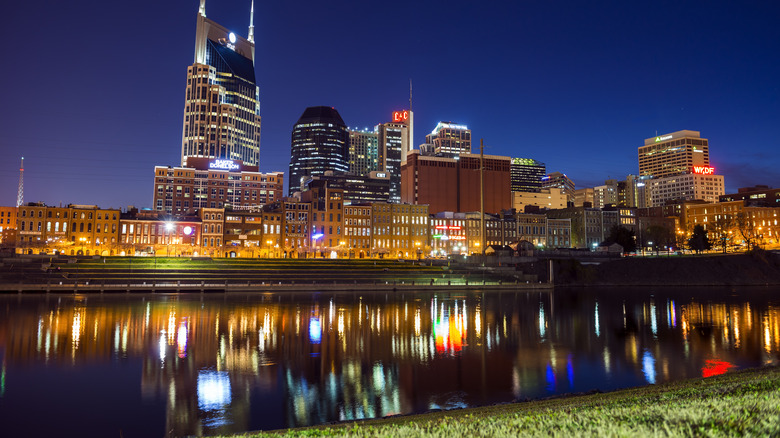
<point>202,9</point>
<point>20,193</point>
<point>251,23</point>
<point>410,94</point>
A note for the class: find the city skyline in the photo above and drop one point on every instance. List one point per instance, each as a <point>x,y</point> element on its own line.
<point>576,88</point>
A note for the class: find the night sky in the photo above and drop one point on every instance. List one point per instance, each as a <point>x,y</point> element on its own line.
<point>94,91</point>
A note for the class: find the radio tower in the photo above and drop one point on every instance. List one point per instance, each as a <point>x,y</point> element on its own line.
<point>20,195</point>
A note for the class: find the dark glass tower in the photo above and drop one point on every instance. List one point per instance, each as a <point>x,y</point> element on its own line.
<point>526,175</point>
<point>320,143</point>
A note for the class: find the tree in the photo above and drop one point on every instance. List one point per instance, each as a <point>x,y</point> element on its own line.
<point>723,230</point>
<point>660,236</point>
<point>623,237</point>
<point>699,240</point>
<point>746,228</point>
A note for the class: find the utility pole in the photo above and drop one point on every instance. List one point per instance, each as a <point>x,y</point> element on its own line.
<point>482,197</point>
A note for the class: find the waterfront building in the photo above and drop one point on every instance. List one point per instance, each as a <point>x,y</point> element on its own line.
<point>448,234</point>
<point>548,198</point>
<point>588,227</point>
<point>327,210</point>
<point>74,230</point>
<point>526,175</point>
<point>222,104</point>
<point>357,229</point>
<point>320,143</point>
<point>561,181</point>
<point>7,218</point>
<point>212,223</point>
<point>738,223</point>
<point>558,233</point>
<point>532,228</point>
<point>243,234</point>
<point>214,183</point>
<point>673,154</point>
<point>449,140</point>
<point>399,230</point>
<point>148,232</point>
<point>449,184</point>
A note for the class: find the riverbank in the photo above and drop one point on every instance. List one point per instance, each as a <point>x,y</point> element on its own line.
<point>744,403</point>
<point>757,268</point>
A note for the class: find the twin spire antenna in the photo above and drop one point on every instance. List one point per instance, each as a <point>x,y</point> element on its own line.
<point>251,36</point>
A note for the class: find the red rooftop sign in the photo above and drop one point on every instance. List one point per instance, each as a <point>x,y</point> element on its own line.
<point>704,170</point>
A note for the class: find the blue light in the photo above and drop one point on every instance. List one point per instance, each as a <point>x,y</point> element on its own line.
<point>315,330</point>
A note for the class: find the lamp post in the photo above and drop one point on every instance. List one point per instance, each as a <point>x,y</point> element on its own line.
<point>168,228</point>
<point>83,241</point>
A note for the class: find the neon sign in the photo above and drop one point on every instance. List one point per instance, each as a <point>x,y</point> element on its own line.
<point>223,165</point>
<point>704,170</point>
<point>401,116</point>
<point>662,138</point>
<point>447,227</point>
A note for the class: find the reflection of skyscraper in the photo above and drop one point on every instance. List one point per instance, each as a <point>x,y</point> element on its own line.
<point>320,142</point>
<point>221,107</point>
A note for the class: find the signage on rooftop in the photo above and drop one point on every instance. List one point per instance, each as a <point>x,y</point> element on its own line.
<point>223,165</point>
<point>704,170</point>
<point>663,138</point>
<point>401,116</point>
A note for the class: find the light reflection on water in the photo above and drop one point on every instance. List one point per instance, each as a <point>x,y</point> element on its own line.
<point>226,364</point>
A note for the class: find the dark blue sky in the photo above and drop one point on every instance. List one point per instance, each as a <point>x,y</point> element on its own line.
<point>94,91</point>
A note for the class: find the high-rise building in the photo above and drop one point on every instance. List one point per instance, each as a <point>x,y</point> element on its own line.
<point>449,139</point>
<point>527,174</point>
<point>363,151</point>
<point>606,194</point>
<point>221,107</point>
<point>320,142</point>
<point>673,154</point>
<point>393,137</point>
<point>561,181</point>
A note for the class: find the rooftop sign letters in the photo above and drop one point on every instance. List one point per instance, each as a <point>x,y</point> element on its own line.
<point>401,116</point>
<point>663,138</point>
<point>704,170</point>
<point>223,165</point>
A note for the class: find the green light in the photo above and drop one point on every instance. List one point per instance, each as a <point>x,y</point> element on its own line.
<point>2,382</point>
<point>437,236</point>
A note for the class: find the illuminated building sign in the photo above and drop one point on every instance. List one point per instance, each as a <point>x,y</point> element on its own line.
<point>447,227</point>
<point>704,170</point>
<point>400,116</point>
<point>223,165</point>
<point>662,138</point>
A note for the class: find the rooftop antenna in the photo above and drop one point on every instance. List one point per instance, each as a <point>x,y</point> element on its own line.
<point>251,37</point>
<point>20,193</point>
<point>202,9</point>
<point>410,94</point>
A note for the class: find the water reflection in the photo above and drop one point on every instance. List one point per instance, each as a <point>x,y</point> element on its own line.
<point>233,363</point>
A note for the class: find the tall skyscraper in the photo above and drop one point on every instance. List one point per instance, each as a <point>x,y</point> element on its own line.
<point>320,143</point>
<point>673,154</point>
<point>393,137</point>
<point>363,152</point>
<point>449,140</point>
<point>222,106</point>
<point>527,174</point>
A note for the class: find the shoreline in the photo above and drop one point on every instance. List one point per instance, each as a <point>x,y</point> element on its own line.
<point>705,405</point>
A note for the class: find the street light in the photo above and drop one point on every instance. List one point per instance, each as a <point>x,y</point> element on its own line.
<point>315,238</point>
<point>83,241</point>
<point>168,228</point>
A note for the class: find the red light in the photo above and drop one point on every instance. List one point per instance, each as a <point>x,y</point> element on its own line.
<point>715,368</point>
<point>400,116</point>
<point>704,170</point>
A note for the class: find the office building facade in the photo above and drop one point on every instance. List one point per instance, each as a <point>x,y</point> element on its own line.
<point>449,140</point>
<point>527,174</point>
<point>561,181</point>
<point>221,107</point>
<point>673,154</point>
<point>320,143</point>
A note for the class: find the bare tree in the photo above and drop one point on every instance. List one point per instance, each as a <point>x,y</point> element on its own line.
<point>747,228</point>
<point>722,230</point>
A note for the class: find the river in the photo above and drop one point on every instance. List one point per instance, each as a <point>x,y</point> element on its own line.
<point>175,365</point>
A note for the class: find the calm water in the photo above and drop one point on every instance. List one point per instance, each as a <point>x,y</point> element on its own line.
<point>198,365</point>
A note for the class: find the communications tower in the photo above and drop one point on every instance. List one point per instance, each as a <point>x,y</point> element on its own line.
<point>20,194</point>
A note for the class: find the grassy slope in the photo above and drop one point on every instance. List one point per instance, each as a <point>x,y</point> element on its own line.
<point>745,403</point>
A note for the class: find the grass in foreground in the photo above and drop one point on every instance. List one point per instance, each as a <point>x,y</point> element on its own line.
<point>745,403</point>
